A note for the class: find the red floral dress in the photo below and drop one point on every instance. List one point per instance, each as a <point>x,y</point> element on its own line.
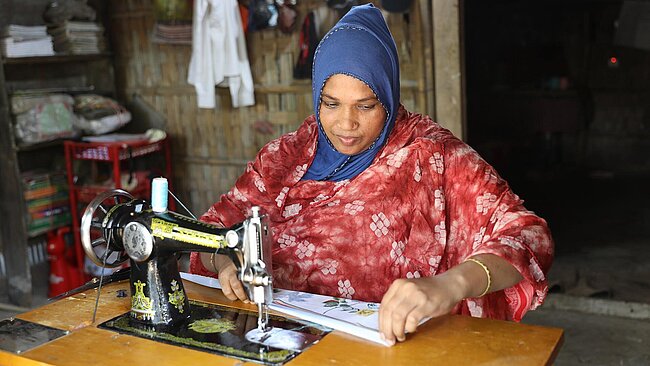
<point>427,202</point>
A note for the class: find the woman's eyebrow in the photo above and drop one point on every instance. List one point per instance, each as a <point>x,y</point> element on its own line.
<point>370,97</point>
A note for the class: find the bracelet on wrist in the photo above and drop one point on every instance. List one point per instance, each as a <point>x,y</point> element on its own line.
<point>487,273</point>
<point>214,265</point>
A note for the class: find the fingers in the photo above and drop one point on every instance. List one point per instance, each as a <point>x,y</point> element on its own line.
<point>238,288</point>
<point>385,313</point>
<point>402,308</point>
<point>398,318</point>
<point>412,322</point>
<point>226,287</point>
<point>230,285</point>
<point>396,306</point>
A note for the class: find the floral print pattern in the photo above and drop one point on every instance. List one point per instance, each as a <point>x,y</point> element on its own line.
<point>426,204</point>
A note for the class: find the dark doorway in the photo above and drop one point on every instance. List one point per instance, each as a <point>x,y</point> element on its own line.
<point>558,101</point>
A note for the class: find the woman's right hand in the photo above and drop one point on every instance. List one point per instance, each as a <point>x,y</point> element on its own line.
<point>230,285</point>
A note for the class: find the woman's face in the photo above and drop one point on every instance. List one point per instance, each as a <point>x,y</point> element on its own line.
<point>350,114</point>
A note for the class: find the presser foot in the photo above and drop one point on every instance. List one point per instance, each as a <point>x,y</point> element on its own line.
<point>262,317</point>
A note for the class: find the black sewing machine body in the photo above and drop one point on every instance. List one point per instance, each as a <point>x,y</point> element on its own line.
<point>131,230</point>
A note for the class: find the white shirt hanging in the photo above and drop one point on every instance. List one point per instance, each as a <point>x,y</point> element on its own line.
<point>219,54</point>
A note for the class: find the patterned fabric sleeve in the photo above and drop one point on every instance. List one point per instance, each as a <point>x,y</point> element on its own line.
<point>233,206</point>
<point>492,219</point>
<point>260,185</point>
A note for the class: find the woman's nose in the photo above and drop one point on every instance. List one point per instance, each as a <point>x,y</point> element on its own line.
<point>348,119</point>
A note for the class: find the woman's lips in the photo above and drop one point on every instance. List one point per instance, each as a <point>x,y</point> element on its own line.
<point>348,141</point>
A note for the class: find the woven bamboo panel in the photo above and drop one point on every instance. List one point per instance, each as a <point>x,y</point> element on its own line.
<point>211,146</point>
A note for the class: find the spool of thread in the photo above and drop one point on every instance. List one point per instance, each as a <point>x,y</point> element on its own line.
<point>159,193</point>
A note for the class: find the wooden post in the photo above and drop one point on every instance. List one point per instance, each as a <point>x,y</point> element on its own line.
<point>448,66</point>
<point>13,241</point>
<point>426,20</point>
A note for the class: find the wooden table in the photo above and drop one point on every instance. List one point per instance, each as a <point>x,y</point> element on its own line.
<point>448,340</point>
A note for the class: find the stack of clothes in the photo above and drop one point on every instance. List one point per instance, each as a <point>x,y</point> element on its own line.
<point>26,41</point>
<point>42,117</point>
<point>78,38</point>
<point>47,201</point>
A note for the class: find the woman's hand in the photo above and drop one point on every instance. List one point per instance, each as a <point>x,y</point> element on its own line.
<point>408,301</point>
<point>222,265</point>
<point>230,285</point>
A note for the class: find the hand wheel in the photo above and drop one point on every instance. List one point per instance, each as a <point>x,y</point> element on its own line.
<point>92,231</point>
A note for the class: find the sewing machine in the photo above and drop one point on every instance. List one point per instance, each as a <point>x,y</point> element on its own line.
<point>116,227</point>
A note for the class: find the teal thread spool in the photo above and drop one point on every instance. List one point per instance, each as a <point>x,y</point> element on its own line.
<point>159,194</point>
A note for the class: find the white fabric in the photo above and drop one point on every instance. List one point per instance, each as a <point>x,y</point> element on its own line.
<point>219,53</point>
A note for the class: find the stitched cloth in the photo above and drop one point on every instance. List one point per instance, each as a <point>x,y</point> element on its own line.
<point>425,204</point>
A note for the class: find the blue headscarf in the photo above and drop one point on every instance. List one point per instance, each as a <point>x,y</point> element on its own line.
<point>359,45</point>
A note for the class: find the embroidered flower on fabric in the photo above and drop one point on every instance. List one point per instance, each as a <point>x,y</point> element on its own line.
<point>538,299</point>
<point>475,309</point>
<point>299,172</point>
<point>379,224</point>
<point>415,274</point>
<point>490,176</point>
<point>397,158</point>
<point>440,233</point>
<point>274,145</point>
<point>279,200</point>
<point>305,249</point>
<point>485,202</point>
<point>320,197</point>
<point>327,266</point>
<point>354,207</point>
<point>259,184</point>
<point>514,243</point>
<point>538,275</point>
<point>417,175</point>
<point>333,203</point>
<point>439,199</point>
<point>535,238</point>
<point>341,183</point>
<point>478,238</point>
<point>238,195</point>
<point>292,210</point>
<point>458,232</point>
<point>397,252</point>
<point>499,212</point>
<point>286,241</point>
<point>434,263</point>
<point>437,163</point>
<point>345,289</point>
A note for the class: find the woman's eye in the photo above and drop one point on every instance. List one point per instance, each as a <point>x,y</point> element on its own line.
<point>367,107</point>
<point>330,104</point>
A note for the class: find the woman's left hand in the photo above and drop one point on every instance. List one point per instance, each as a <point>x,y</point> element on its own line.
<point>408,301</point>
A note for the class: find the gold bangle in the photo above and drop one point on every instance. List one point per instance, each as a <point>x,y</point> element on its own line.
<point>487,272</point>
<point>214,266</point>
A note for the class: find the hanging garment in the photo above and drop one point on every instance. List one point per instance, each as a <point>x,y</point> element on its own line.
<point>219,54</point>
<point>307,43</point>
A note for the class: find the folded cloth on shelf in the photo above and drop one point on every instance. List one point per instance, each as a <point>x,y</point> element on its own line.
<point>98,115</point>
<point>43,118</point>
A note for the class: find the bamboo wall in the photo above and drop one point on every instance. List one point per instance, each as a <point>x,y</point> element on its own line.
<point>211,147</point>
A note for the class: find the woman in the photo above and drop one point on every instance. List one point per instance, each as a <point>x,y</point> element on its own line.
<point>372,202</point>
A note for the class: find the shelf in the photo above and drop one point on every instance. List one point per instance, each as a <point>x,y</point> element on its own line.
<point>60,58</point>
<point>40,145</point>
<point>85,194</point>
<point>109,151</point>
